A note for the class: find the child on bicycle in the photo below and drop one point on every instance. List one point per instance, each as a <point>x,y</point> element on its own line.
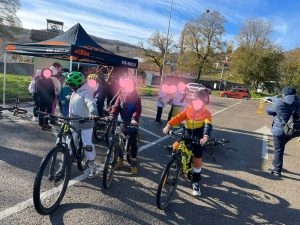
<point>82,104</point>
<point>128,105</point>
<point>198,124</point>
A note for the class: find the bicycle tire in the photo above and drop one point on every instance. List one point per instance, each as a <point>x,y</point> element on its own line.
<point>65,166</point>
<point>82,162</point>
<point>19,111</point>
<point>109,164</point>
<point>161,204</point>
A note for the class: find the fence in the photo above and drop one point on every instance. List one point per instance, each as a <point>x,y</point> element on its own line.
<point>17,68</point>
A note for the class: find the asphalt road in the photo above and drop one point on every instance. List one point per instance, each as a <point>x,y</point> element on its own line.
<point>235,189</point>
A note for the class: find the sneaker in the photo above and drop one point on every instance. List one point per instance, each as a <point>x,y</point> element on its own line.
<point>274,172</point>
<point>47,127</point>
<point>92,169</point>
<point>120,163</point>
<point>133,168</point>
<point>196,189</point>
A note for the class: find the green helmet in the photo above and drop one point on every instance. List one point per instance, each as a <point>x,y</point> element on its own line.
<point>75,79</point>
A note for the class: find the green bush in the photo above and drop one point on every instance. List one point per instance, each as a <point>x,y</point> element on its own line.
<point>147,91</point>
<point>16,86</point>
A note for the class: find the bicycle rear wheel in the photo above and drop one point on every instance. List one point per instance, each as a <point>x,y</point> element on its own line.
<point>168,183</point>
<point>51,181</point>
<point>109,164</point>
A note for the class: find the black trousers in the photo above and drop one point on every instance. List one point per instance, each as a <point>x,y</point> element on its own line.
<point>44,107</point>
<point>158,114</point>
<point>279,146</point>
<point>170,113</point>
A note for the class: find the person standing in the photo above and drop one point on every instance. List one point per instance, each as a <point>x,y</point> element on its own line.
<point>45,94</point>
<point>281,111</point>
<point>161,103</point>
<point>82,104</point>
<point>129,106</point>
<point>32,90</point>
<point>56,70</point>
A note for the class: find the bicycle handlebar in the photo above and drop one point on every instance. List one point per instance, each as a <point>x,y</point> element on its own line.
<point>80,119</point>
<point>211,141</point>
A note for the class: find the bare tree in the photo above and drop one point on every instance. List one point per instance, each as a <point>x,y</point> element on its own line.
<point>9,22</point>
<point>155,49</point>
<point>255,33</point>
<point>202,38</point>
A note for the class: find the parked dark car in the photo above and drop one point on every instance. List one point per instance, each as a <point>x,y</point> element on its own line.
<point>241,93</point>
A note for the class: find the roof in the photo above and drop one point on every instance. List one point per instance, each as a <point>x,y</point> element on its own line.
<point>42,35</point>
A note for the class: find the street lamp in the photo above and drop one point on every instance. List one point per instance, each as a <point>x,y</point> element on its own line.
<point>167,43</point>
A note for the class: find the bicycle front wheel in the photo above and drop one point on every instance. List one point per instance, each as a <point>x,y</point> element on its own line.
<point>51,181</point>
<point>168,183</point>
<point>109,164</point>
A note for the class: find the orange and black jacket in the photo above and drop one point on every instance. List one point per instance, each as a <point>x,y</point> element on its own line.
<point>194,120</point>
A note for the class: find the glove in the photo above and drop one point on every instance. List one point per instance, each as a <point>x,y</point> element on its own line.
<point>92,117</point>
<point>203,140</point>
<point>166,129</point>
<point>110,118</point>
<point>134,123</point>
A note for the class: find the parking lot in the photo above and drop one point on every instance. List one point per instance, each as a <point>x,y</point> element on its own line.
<point>235,188</point>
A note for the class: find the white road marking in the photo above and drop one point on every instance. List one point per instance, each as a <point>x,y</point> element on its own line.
<point>149,132</point>
<point>265,131</point>
<point>27,203</point>
<point>154,111</point>
<point>222,110</point>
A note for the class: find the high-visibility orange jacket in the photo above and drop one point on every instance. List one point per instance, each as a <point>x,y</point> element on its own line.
<point>194,120</point>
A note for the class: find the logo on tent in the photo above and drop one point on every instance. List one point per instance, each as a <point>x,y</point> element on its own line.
<point>10,48</point>
<point>128,63</point>
<point>56,50</point>
<point>82,52</point>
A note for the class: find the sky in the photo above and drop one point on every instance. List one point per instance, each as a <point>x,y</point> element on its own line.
<point>133,21</point>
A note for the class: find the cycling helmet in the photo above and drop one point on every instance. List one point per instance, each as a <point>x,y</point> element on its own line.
<point>202,95</point>
<point>92,76</point>
<point>75,79</point>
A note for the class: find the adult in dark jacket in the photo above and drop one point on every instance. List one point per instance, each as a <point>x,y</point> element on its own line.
<point>45,92</point>
<point>128,105</point>
<point>281,111</point>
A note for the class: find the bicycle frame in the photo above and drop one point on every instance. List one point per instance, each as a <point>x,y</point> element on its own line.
<point>67,130</point>
<point>186,156</point>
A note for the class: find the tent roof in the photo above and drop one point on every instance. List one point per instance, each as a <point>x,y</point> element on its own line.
<point>76,43</point>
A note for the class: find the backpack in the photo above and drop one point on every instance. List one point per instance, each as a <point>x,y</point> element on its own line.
<point>292,127</point>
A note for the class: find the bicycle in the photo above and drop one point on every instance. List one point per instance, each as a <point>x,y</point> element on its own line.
<point>55,169</point>
<point>179,164</point>
<point>101,129</point>
<point>118,146</point>
<point>14,109</point>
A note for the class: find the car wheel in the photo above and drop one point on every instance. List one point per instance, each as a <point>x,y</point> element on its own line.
<point>245,98</point>
<point>225,95</point>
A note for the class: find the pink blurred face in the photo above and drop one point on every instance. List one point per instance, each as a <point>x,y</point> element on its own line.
<point>47,73</point>
<point>181,87</point>
<point>127,84</point>
<point>197,104</point>
<point>169,90</point>
<point>92,83</point>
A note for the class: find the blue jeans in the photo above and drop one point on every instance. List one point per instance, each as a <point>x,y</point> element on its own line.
<point>279,145</point>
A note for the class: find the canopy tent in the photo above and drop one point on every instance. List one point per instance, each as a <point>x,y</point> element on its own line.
<point>75,45</point>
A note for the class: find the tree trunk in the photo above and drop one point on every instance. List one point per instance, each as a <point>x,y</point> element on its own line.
<point>200,70</point>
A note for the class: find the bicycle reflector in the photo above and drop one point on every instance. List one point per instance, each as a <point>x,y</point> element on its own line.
<point>47,73</point>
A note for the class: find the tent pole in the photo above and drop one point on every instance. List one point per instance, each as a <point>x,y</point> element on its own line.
<point>71,62</point>
<point>4,79</point>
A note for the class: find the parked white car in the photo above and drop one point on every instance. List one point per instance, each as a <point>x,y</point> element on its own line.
<point>272,99</point>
